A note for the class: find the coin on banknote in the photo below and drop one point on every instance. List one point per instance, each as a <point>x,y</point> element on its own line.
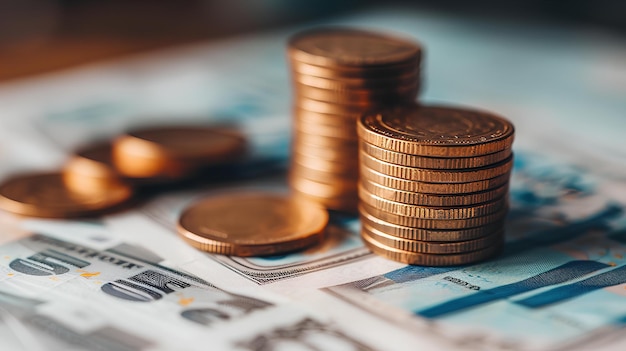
<point>433,162</point>
<point>424,259</point>
<point>433,247</point>
<point>340,47</point>
<point>174,152</point>
<point>47,195</point>
<point>252,224</point>
<point>436,131</point>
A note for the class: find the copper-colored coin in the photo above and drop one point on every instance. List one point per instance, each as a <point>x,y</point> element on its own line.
<point>436,131</point>
<point>338,47</point>
<point>252,224</point>
<point>91,167</point>
<point>437,175</point>
<point>321,141</point>
<point>322,130</point>
<point>347,85</point>
<point>334,189</point>
<point>47,195</point>
<point>433,162</point>
<point>326,119</point>
<point>427,212</point>
<point>363,98</point>
<point>354,72</point>
<point>174,151</point>
<point>429,223</point>
<point>432,188</point>
<point>324,176</point>
<point>347,166</point>
<point>433,247</point>
<point>423,259</point>
<point>329,108</point>
<point>343,203</point>
<point>323,153</point>
<point>436,200</point>
<point>428,234</point>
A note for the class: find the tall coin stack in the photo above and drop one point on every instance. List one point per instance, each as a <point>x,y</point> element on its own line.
<point>337,75</point>
<point>434,183</point>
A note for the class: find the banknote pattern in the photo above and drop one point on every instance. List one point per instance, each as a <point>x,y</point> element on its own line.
<point>563,272</point>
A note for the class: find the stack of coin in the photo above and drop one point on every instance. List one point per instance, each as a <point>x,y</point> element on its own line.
<point>337,75</point>
<point>434,183</point>
<point>101,176</point>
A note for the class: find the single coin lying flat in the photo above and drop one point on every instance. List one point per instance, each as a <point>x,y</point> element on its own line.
<point>252,224</point>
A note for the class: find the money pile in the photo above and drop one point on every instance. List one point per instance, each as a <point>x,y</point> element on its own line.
<point>434,183</point>
<point>102,176</point>
<point>337,74</point>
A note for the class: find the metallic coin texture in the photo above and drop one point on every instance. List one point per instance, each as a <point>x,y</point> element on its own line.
<point>252,224</point>
<point>47,195</point>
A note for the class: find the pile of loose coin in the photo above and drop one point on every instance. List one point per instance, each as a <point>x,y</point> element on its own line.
<point>434,183</point>
<point>337,74</point>
<point>102,177</point>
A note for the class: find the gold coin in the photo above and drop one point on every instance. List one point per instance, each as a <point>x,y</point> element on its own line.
<point>428,234</point>
<point>174,151</point>
<point>347,85</point>
<point>432,188</point>
<point>321,141</point>
<point>433,162</point>
<point>433,247</point>
<point>436,175</point>
<point>91,167</point>
<point>436,131</point>
<point>322,130</point>
<point>339,47</point>
<point>342,203</point>
<point>429,223</point>
<point>423,259</point>
<point>437,200</point>
<point>301,68</point>
<point>364,98</point>
<point>47,195</point>
<point>426,212</point>
<point>334,189</point>
<point>322,175</point>
<point>347,166</point>
<point>252,224</point>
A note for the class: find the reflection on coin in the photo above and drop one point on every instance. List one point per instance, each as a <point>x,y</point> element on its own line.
<point>355,71</point>
<point>91,167</point>
<point>425,212</point>
<point>434,247</point>
<point>336,189</point>
<point>429,223</point>
<point>174,151</point>
<point>437,175</point>
<point>346,167</point>
<point>344,203</point>
<point>423,259</point>
<point>423,199</point>
<point>413,233</point>
<point>433,188</point>
<point>47,195</point>
<point>433,162</point>
<point>332,47</point>
<point>436,131</point>
<point>252,224</point>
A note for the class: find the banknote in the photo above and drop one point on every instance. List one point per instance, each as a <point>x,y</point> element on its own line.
<point>562,273</point>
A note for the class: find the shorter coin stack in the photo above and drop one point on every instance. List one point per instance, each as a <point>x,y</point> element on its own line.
<point>337,75</point>
<point>434,183</point>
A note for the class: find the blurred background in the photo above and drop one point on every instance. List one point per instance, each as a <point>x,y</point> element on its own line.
<point>45,35</point>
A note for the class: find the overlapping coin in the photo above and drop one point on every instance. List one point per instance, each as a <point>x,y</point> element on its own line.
<point>434,183</point>
<point>337,75</point>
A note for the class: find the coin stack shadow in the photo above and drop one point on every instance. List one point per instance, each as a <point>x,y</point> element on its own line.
<point>434,184</point>
<point>338,74</point>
